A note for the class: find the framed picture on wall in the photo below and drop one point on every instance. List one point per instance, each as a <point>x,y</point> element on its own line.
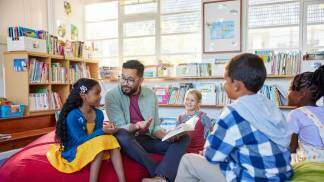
<point>222,26</point>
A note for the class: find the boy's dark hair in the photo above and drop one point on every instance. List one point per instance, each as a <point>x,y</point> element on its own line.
<point>135,64</point>
<point>248,68</point>
<point>74,100</point>
<point>313,81</point>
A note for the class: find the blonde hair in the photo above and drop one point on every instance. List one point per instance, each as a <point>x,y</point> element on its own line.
<point>195,92</point>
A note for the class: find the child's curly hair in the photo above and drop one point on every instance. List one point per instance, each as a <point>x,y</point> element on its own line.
<point>312,81</point>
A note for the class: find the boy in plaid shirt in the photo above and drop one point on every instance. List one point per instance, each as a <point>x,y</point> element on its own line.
<point>250,140</point>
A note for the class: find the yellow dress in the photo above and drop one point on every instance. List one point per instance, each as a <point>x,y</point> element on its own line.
<point>85,154</point>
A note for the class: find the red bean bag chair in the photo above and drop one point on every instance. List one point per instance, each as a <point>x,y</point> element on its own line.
<point>31,164</point>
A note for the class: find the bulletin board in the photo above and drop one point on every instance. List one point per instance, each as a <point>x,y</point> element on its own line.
<point>222,26</point>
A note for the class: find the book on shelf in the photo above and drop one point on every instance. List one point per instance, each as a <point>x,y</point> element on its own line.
<point>55,101</point>
<point>182,128</point>
<point>79,70</point>
<point>150,72</point>
<point>281,62</point>
<point>164,70</point>
<point>14,33</point>
<point>88,50</point>
<point>54,45</point>
<point>314,55</point>
<point>212,94</point>
<point>38,101</point>
<point>38,71</point>
<point>44,100</point>
<point>208,93</point>
<point>221,95</point>
<point>162,94</point>
<point>275,94</point>
<point>194,69</point>
<point>73,49</point>
<point>107,72</point>
<point>59,73</point>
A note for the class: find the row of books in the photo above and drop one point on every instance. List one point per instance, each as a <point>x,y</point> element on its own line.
<point>314,55</point>
<point>14,33</point>
<point>59,73</point>
<point>54,46</point>
<point>275,94</point>
<point>109,72</point>
<point>44,101</point>
<point>78,71</point>
<point>281,63</point>
<point>38,72</point>
<point>73,49</point>
<point>69,49</point>
<point>184,70</point>
<point>212,93</point>
<point>194,69</point>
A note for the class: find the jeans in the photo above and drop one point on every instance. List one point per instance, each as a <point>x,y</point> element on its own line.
<point>139,147</point>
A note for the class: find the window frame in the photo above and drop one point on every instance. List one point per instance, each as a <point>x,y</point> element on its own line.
<point>123,18</point>
<point>302,46</point>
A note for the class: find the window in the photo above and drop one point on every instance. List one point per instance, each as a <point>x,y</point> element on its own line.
<point>138,8</point>
<point>276,24</point>
<point>181,25</point>
<point>152,31</point>
<point>101,28</point>
<point>273,24</point>
<point>314,25</point>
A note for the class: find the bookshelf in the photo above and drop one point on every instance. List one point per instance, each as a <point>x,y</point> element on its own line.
<point>207,78</point>
<point>211,109</point>
<point>174,78</point>
<point>19,85</point>
<point>213,106</point>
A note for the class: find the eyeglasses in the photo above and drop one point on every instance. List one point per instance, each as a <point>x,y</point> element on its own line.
<point>127,80</point>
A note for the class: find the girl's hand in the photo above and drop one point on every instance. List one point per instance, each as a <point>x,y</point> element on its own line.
<point>109,124</point>
<point>109,128</point>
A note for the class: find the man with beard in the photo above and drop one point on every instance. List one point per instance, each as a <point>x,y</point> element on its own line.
<point>134,109</point>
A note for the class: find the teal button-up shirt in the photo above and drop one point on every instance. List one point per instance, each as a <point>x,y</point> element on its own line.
<point>117,108</point>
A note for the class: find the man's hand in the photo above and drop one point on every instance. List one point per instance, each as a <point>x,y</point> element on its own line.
<point>144,125</point>
<point>133,127</point>
<point>159,134</point>
<point>109,128</point>
<point>140,126</point>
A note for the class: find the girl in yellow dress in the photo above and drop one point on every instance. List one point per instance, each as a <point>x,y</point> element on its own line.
<point>82,136</point>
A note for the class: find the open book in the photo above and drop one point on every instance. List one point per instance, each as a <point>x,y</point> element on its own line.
<point>182,128</point>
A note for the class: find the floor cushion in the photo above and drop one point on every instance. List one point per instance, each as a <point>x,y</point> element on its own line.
<point>31,164</point>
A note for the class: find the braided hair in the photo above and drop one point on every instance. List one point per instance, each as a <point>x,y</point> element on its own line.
<point>312,81</point>
<point>73,101</point>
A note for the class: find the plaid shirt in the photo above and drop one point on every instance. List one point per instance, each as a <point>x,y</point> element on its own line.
<point>244,153</point>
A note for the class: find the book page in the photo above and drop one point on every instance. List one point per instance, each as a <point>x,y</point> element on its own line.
<point>182,128</point>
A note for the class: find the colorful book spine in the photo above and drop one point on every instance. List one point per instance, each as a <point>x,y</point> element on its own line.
<point>38,72</point>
